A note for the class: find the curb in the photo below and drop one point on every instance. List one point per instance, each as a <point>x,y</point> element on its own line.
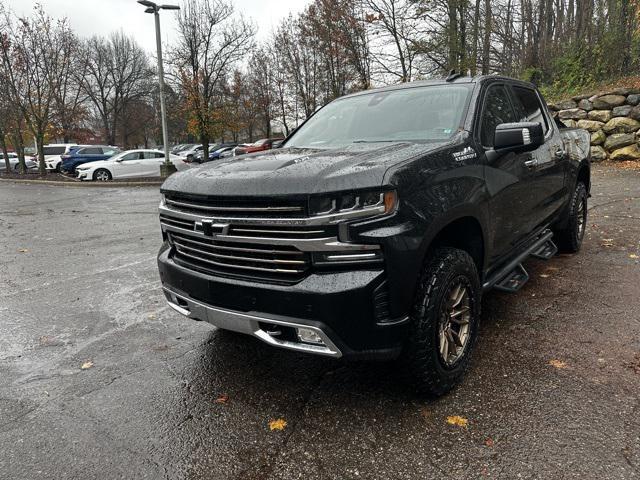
<point>81,184</point>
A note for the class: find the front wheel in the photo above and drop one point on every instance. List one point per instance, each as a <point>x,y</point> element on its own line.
<point>569,238</point>
<point>102,175</point>
<point>444,322</point>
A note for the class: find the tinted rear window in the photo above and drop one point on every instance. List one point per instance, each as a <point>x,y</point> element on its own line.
<point>54,150</point>
<point>91,151</point>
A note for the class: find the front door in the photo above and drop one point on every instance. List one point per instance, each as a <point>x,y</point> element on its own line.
<point>509,177</point>
<point>130,165</point>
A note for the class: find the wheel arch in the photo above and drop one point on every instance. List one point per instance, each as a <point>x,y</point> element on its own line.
<point>584,174</point>
<point>465,231</point>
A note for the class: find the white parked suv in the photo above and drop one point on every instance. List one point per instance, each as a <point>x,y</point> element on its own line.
<point>53,154</point>
<point>132,163</point>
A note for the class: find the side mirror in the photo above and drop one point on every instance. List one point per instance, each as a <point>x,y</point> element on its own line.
<point>518,137</point>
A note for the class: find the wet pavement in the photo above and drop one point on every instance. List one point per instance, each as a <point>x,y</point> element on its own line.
<point>554,390</point>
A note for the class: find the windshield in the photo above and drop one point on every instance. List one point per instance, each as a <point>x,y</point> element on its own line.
<point>418,114</point>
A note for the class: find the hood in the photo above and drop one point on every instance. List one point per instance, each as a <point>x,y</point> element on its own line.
<point>296,171</point>
<point>94,164</point>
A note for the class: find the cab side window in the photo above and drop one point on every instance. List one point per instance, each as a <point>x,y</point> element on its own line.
<point>529,107</point>
<point>497,109</point>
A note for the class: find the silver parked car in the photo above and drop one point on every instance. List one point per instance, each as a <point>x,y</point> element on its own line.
<point>13,160</point>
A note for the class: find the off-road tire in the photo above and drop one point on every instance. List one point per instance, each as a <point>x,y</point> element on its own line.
<point>569,239</point>
<point>421,358</point>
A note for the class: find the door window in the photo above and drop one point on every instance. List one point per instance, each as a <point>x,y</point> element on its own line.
<point>91,151</point>
<point>131,156</point>
<point>529,107</point>
<point>53,150</point>
<point>152,155</point>
<point>497,110</point>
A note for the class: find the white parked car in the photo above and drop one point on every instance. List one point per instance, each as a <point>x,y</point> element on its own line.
<point>53,154</point>
<point>13,160</point>
<point>190,153</point>
<point>129,164</point>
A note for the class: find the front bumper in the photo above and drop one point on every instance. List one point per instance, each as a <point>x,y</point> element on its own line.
<point>83,174</point>
<point>338,306</point>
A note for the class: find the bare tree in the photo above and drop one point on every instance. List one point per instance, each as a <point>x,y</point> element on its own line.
<point>116,74</point>
<point>211,40</point>
<point>396,26</point>
<point>69,100</point>
<point>32,63</point>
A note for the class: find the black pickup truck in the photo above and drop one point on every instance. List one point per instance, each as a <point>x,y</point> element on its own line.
<point>374,230</point>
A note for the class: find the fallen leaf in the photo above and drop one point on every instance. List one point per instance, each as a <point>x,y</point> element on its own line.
<point>544,275</point>
<point>488,442</point>
<point>557,363</point>
<point>86,365</point>
<point>222,399</point>
<point>23,250</point>
<point>634,256</point>
<point>425,413</point>
<point>278,424</point>
<point>458,421</point>
<point>151,316</point>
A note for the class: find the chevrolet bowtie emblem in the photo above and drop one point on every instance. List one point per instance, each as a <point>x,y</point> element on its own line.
<point>209,228</point>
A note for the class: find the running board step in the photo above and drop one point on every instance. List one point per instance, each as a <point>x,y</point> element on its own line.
<point>514,280</point>
<point>547,250</point>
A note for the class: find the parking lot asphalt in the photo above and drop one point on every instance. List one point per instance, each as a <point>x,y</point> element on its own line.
<point>100,380</point>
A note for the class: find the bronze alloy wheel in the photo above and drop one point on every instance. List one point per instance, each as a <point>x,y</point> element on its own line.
<point>454,328</point>
<point>581,218</point>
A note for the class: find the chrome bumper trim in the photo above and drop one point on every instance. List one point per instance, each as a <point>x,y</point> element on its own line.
<point>249,323</point>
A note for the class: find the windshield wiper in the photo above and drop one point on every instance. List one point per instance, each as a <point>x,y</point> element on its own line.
<point>374,141</point>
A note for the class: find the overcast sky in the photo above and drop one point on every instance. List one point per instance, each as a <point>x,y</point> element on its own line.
<point>88,17</point>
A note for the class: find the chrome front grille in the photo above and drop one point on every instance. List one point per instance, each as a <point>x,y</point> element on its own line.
<point>217,257</point>
<point>228,239</point>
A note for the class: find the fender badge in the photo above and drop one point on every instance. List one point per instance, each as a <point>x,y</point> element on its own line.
<point>467,154</point>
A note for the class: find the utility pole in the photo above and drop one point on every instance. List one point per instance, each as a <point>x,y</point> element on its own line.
<point>167,168</point>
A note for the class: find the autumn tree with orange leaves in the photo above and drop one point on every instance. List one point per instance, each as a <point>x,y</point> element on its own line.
<point>212,39</point>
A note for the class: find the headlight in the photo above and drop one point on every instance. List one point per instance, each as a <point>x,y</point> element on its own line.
<point>354,204</point>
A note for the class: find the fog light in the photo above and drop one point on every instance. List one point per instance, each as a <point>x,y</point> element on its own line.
<point>306,335</point>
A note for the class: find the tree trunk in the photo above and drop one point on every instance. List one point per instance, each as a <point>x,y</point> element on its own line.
<point>5,152</point>
<point>453,36</point>
<point>42,167</point>
<point>476,38</point>
<point>486,47</point>
<point>18,142</point>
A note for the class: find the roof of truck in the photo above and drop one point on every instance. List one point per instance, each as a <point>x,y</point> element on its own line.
<point>440,81</point>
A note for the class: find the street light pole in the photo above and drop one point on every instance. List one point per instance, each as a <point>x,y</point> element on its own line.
<point>167,168</point>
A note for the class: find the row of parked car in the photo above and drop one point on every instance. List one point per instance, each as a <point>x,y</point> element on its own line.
<point>193,153</point>
<point>108,162</point>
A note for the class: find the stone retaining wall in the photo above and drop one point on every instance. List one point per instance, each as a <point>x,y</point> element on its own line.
<point>612,118</point>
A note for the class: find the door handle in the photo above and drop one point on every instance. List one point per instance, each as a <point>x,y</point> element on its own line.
<point>559,154</point>
<point>531,163</point>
